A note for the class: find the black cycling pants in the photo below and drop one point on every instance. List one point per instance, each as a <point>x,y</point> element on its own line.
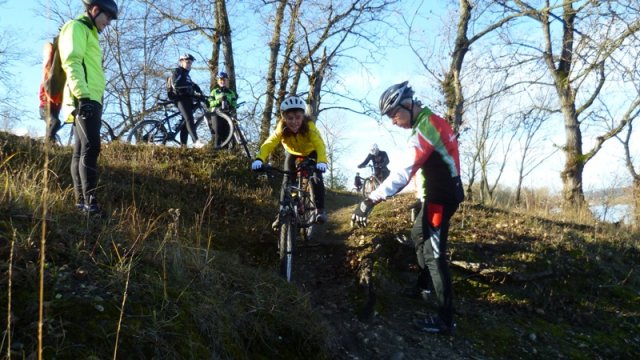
<point>317,185</point>
<point>381,173</point>
<point>185,106</point>
<point>86,149</point>
<point>430,234</point>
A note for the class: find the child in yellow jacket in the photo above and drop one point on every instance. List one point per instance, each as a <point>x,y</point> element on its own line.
<point>300,138</point>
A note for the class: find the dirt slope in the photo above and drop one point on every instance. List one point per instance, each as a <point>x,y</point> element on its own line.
<point>329,273</point>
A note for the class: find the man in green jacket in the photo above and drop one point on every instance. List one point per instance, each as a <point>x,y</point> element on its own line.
<point>81,58</point>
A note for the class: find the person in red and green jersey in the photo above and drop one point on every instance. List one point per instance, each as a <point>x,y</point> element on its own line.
<point>432,147</point>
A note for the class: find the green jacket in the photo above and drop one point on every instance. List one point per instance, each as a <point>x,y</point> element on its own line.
<point>81,58</point>
<point>218,94</point>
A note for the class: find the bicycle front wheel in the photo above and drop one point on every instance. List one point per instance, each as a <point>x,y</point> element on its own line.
<point>370,184</point>
<point>309,214</point>
<point>148,132</point>
<point>226,118</point>
<point>285,245</point>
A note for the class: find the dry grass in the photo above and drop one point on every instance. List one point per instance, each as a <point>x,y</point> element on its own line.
<point>167,260</point>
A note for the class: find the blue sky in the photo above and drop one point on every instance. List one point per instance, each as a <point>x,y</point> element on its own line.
<point>357,132</point>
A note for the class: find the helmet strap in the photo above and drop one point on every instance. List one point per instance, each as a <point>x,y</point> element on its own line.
<point>93,18</point>
<point>410,110</point>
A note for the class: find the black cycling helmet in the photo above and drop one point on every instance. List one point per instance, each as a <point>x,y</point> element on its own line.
<point>187,56</point>
<point>393,97</point>
<point>223,75</point>
<point>108,6</point>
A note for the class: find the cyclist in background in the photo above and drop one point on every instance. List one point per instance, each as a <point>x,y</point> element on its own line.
<point>358,181</point>
<point>300,138</point>
<point>225,99</point>
<point>182,91</point>
<point>380,161</point>
<point>432,146</point>
<point>81,60</point>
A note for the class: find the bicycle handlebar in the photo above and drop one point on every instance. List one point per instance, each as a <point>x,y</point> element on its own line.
<point>307,164</point>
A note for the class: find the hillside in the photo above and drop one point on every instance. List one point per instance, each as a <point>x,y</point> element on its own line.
<point>184,268</point>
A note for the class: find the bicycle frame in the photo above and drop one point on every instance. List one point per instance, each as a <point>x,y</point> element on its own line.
<point>294,212</point>
<point>161,129</point>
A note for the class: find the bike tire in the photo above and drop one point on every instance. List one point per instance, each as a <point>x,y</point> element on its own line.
<point>227,140</point>
<point>308,216</point>
<point>106,133</point>
<point>369,185</point>
<point>203,129</point>
<point>286,248</point>
<point>148,132</point>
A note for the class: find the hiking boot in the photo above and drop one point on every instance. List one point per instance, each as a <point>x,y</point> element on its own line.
<point>321,216</point>
<point>433,324</point>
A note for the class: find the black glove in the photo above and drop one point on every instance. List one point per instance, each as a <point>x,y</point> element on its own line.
<point>86,108</point>
<point>361,213</point>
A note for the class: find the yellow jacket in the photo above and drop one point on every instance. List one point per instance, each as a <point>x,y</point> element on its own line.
<point>298,144</point>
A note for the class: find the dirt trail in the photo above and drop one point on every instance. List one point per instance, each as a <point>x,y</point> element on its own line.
<point>326,273</point>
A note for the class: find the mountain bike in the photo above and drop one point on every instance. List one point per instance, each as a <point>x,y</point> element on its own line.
<point>236,135</point>
<point>64,135</point>
<point>297,212</point>
<point>371,183</point>
<point>164,127</point>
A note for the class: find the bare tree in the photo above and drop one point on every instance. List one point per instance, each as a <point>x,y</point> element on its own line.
<point>333,138</point>
<point>134,65</point>
<point>532,153</point>
<point>484,18</point>
<point>274,51</point>
<point>635,174</point>
<point>594,35</point>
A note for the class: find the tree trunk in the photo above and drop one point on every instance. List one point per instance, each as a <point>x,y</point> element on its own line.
<point>224,29</point>
<point>573,194</point>
<point>636,203</point>
<point>451,86</point>
<point>274,46</point>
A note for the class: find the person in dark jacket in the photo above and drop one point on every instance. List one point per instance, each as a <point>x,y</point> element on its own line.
<point>182,92</point>
<point>380,160</point>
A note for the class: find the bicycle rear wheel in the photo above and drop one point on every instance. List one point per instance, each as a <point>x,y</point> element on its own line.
<point>285,247</point>
<point>148,132</point>
<point>106,133</point>
<point>370,184</point>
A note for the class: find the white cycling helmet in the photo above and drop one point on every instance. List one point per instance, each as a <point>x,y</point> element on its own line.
<point>292,102</point>
<point>374,149</point>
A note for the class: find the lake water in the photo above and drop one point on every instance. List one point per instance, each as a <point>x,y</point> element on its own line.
<point>613,213</point>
